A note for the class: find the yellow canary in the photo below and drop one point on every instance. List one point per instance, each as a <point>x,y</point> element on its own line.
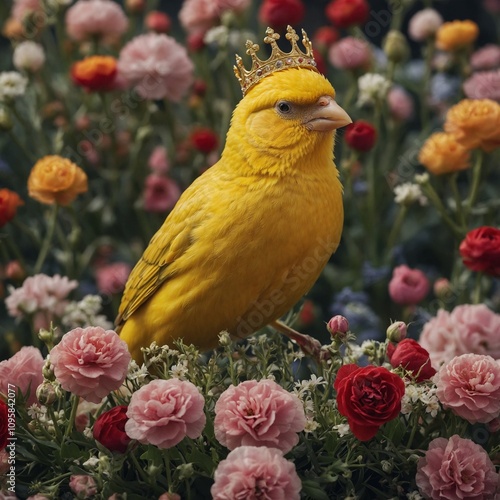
<point>251,235</point>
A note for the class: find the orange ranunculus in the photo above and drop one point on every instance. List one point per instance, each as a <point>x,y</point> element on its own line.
<point>475,123</point>
<point>456,35</point>
<point>442,154</point>
<point>9,201</point>
<point>95,72</point>
<point>55,179</point>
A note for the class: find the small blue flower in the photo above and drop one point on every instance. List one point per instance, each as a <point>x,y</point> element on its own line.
<point>444,88</point>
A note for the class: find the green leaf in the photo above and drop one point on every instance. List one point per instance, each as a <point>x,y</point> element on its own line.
<point>314,491</point>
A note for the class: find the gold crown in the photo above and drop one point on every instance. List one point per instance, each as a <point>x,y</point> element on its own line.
<point>278,61</point>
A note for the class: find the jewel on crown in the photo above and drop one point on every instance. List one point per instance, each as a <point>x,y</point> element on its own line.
<point>278,60</point>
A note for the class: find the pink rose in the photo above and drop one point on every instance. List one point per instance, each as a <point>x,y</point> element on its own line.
<point>258,414</point>
<point>470,386</point>
<point>83,486</point>
<point>483,85</point>
<point>424,24</point>
<point>160,193</point>
<point>487,57</point>
<point>350,53</point>
<point>163,412</point>
<point>249,470</point>
<point>22,8</point>
<point>89,18</point>
<point>408,286</point>
<point>24,370</point>
<point>157,66</point>
<point>158,161</point>
<point>111,279</point>
<point>90,362</point>
<point>456,468</point>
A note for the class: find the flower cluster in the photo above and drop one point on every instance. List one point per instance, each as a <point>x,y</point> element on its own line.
<point>110,109</point>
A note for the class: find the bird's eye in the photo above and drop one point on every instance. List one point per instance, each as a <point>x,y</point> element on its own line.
<point>283,107</point>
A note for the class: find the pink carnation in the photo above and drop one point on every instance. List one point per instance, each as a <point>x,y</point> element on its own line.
<point>252,472</point>
<point>111,279</point>
<point>483,85</point>
<point>157,66</point>
<point>163,412</point>
<point>424,24</point>
<point>467,329</point>
<point>408,286</point>
<point>350,53</point>
<point>197,16</point>
<point>83,486</point>
<point>41,297</point>
<point>21,8</point>
<point>90,362</point>
<point>158,160</point>
<point>24,370</point>
<point>160,193</point>
<point>258,414</point>
<point>90,18</point>
<point>456,468</point>
<point>487,57</point>
<point>400,104</point>
<point>470,386</point>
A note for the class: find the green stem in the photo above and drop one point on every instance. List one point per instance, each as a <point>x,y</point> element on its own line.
<point>168,472</point>
<point>476,180</point>
<point>72,416</point>
<point>458,200</point>
<point>396,228</point>
<point>140,470</point>
<point>476,293</point>
<point>48,238</point>
<point>54,421</point>
<point>424,108</point>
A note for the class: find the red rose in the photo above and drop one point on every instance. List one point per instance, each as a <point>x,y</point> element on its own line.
<point>325,36</point>
<point>412,357</point>
<point>279,13</point>
<point>9,201</point>
<point>204,140</point>
<point>368,397</point>
<point>480,250</point>
<point>3,425</point>
<point>109,429</point>
<point>347,13</point>
<point>360,135</point>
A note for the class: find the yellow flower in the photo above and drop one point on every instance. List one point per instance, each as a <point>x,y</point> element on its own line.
<point>55,179</point>
<point>442,154</point>
<point>456,35</point>
<point>475,123</point>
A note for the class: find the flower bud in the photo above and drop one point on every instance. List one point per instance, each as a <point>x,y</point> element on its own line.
<point>46,394</point>
<point>48,371</point>
<point>395,46</point>
<point>14,271</point>
<point>338,326</point>
<point>224,339</point>
<point>396,332</point>
<point>135,6</point>
<point>46,336</point>
<point>185,471</point>
<point>442,289</point>
<point>386,466</point>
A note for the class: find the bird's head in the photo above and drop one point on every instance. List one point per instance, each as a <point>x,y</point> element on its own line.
<point>287,116</point>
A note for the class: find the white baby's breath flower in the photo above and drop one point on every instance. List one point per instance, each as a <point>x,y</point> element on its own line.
<point>84,313</point>
<point>179,371</point>
<point>34,411</point>
<point>422,178</point>
<point>28,56</point>
<point>311,425</point>
<point>408,193</point>
<point>414,495</point>
<point>217,36</point>
<point>342,429</point>
<point>87,432</point>
<point>372,88</point>
<point>91,463</point>
<point>136,372</point>
<point>12,85</point>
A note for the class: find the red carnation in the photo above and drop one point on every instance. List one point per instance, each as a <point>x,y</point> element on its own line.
<point>95,73</point>
<point>360,135</point>
<point>3,425</point>
<point>480,250</point>
<point>325,36</point>
<point>368,397</point>
<point>412,357</point>
<point>279,13</point>
<point>347,13</point>
<point>109,429</point>
<point>204,140</point>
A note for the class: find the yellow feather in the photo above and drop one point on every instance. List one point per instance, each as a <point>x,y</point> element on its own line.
<point>250,236</point>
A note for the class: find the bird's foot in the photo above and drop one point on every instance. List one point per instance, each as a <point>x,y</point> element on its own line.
<point>310,346</point>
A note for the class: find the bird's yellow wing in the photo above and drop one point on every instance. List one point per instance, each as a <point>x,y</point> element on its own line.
<point>171,241</point>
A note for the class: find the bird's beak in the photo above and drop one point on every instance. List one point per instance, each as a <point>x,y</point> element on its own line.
<point>326,115</point>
